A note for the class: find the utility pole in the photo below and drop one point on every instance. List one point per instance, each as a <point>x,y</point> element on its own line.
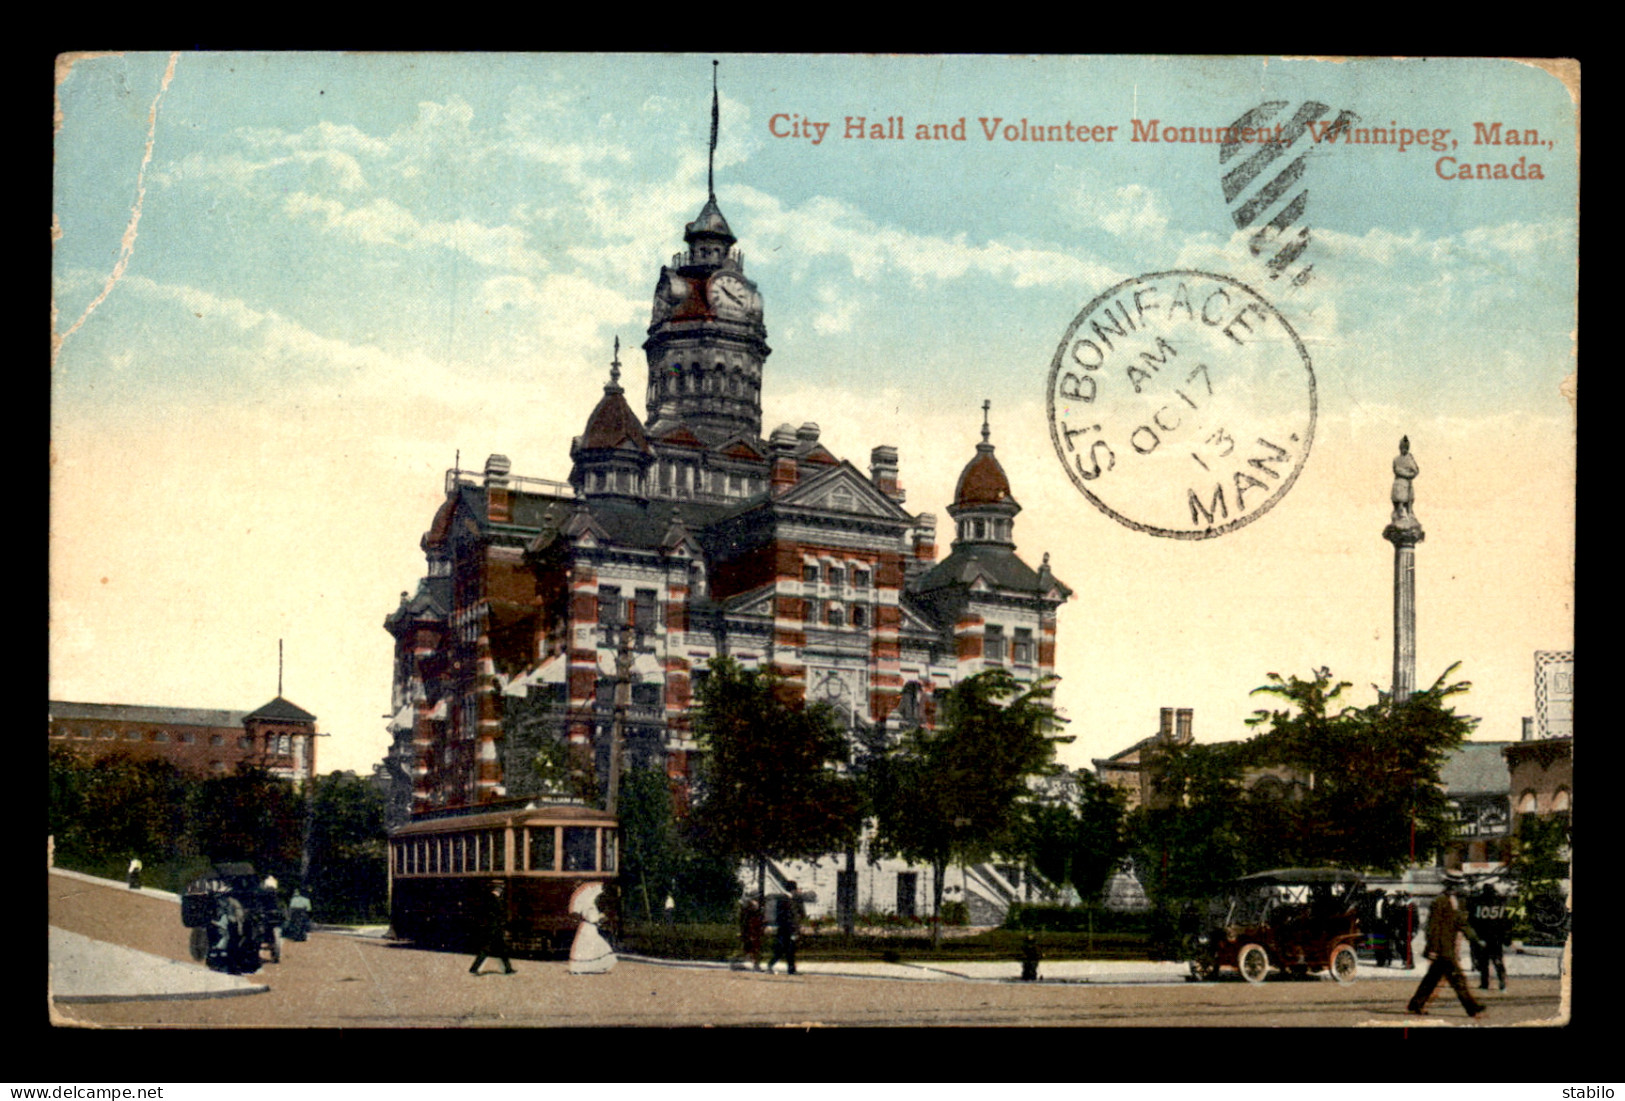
<point>623,699</point>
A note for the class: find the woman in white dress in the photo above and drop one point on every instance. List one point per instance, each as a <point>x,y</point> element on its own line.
<point>590,953</point>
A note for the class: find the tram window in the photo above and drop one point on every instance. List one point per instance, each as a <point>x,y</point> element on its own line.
<point>580,848</point>
<point>541,848</point>
<point>482,843</point>
<point>608,862</point>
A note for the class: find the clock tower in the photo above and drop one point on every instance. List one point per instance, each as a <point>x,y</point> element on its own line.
<point>706,342</point>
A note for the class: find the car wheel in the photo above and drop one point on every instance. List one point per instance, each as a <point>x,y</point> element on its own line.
<point>198,944</point>
<point>1202,970</point>
<point>1344,964</point>
<point>1253,962</point>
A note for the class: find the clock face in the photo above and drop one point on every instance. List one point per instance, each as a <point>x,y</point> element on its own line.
<point>730,297</point>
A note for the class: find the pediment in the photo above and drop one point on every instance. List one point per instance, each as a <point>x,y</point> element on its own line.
<point>820,454</point>
<point>757,602</point>
<point>681,436</point>
<point>740,448</point>
<point>844,490</point>
<point>914,622</point>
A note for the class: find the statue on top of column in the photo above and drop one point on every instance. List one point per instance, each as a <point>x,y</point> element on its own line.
<point>1405,470</point>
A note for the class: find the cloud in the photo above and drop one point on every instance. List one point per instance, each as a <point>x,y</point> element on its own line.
<point>385,222</point>
<point>826,227</point>
<point>836,312</point>
<point>1137,212</point>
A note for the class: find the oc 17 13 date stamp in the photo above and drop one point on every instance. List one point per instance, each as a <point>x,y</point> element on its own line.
<point>1182,404</point>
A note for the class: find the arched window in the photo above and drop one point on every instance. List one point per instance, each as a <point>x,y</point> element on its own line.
<point>1560,800</point>
<point>1526,803</point>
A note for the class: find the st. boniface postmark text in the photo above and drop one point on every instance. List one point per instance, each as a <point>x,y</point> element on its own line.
<point>1181,404</point>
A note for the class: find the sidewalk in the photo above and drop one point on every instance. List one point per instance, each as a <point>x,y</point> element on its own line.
<point>85,970</point>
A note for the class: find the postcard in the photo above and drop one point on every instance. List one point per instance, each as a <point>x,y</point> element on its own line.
<point>1161,376</point>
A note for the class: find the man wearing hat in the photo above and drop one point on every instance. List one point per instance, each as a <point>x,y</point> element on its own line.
<point>1445,923</point>
<point>1489,921</point>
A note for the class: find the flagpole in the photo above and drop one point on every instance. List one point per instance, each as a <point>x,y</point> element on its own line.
<point>711,158</point>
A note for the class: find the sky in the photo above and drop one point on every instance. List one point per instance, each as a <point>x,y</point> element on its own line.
<point>290,290</point>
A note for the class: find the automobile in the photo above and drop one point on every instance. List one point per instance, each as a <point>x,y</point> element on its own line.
<point>1290,921</point>
<point>232,916</point>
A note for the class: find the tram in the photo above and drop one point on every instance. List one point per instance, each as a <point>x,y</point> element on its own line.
<point>441,871</point>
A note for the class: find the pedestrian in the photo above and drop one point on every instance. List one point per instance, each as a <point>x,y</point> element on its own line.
<point>1376,912</point>
<point>134,873</point>
<point>752,924</point>
<point>1402,927</point>
<point>671,912</point>
<point>1446,924</point>
<point>590,953</point>
<point>298,915</point>
<point>1489,920</point>
<point>787,915</point>
<point>494,931</point>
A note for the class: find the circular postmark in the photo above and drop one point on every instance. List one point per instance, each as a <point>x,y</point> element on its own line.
<point>1181,404</point>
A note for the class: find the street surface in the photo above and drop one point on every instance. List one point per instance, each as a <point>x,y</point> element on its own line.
<point>340,981</point>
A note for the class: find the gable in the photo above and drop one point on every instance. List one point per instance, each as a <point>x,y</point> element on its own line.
<point>740,448</point>
<point>844,490</point>
<point>681,436</point>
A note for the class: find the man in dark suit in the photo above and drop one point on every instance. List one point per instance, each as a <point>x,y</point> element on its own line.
<point>787,928</point>
<point>494,931</point>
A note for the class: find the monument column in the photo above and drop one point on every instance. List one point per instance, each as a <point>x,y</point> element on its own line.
<point>1404,531</point>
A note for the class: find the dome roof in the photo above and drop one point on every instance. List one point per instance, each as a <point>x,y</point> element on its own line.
<point>613,423</point>
<point>710,223</point>
<point>982,482</point>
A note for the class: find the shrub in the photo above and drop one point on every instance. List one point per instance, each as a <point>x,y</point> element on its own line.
<point>1075,919</point>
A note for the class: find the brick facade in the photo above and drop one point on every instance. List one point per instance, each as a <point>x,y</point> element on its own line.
<point>710,540</point>
<point>279,737</point>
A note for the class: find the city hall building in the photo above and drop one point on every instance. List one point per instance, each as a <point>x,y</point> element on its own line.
<point>706,538</point>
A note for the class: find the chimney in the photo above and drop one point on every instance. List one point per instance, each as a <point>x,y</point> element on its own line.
<point>1183,731</point>
<point>1528,728</point>
<point>925,537</point>
<point>783,445</point>
<point>807,434</point>
<point>1165,732</point>
<point>498,498</point>
<point>883,472</point>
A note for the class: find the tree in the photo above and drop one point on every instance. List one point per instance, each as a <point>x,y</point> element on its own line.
<point>116,807</point>
<point>650,843</point>
<point>956,791</point>
<point>767,784</point>
<point>349,849</point>
<point>1079,838</point>
<point>1540,861</point>
<point>251,816</point>
<point>1187,840</point>
<point>1374,798</point>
